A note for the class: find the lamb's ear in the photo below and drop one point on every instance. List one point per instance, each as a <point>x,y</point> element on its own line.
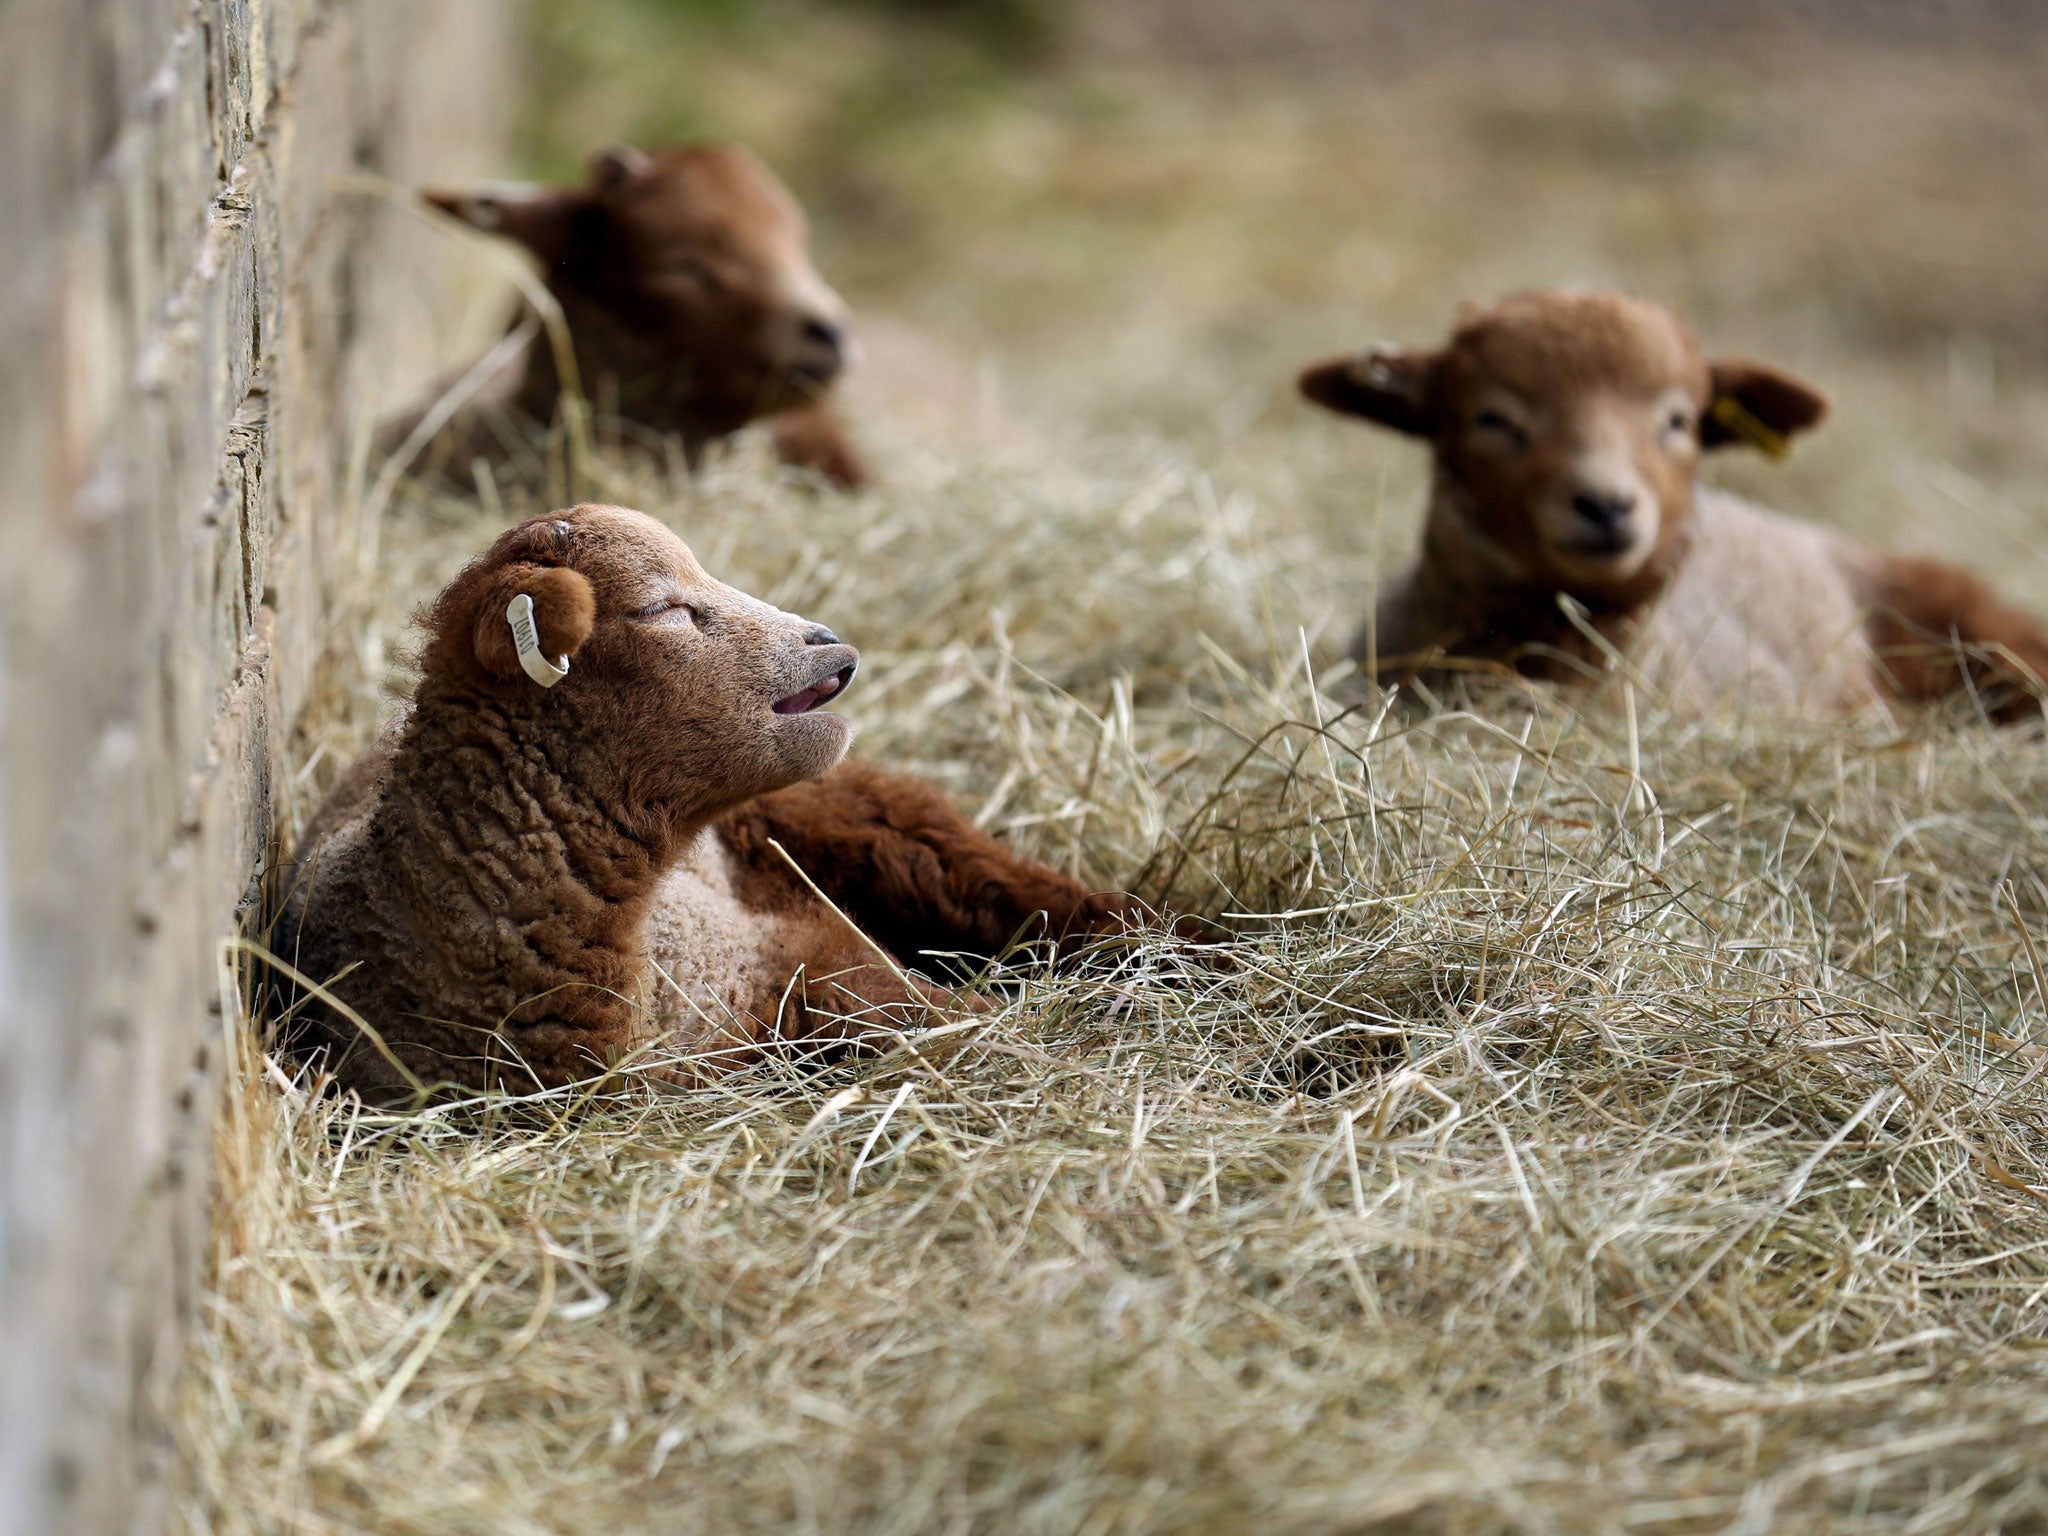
<point>619,164</point>
<point>543,219</point>
<point>1759,405</point>
<point>564,609</point>
<point>1394,386</point>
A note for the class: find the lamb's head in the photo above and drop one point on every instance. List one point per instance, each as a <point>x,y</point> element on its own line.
<point>698,257</point>
<point>670,694</point>
<point>1567,428</point>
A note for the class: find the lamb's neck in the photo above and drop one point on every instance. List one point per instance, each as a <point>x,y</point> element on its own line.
<point>615,365</point>
<point>1458,558</point>
<point>520,870</point>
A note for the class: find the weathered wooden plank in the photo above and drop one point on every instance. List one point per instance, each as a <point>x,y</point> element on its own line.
<point>191,296</point>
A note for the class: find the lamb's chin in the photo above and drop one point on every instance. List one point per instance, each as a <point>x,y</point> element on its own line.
<point>1599,572</point>
<point>814,742</point>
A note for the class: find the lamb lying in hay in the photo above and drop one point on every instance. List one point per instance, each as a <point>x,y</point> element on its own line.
<point>1567,428</point>
<point>685,278</point>
<point>564,854</point>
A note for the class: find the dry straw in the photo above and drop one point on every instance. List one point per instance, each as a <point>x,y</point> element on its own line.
<point>1613,1123</point>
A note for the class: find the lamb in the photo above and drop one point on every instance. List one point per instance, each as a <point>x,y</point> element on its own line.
<point>1566,428</point>
<point>565,853</point>
<point>685,278</point>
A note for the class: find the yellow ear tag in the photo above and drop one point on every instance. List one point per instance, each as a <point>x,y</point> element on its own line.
<point>519,614</point>
<point>1737,422</point>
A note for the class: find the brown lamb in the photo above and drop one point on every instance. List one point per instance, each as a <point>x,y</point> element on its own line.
<point>527,881</point>
<point>685,277</point>
<point>1566,428</point>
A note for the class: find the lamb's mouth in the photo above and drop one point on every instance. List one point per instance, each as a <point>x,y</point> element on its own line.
<point>1609,545</point>
<point>828,686</point>
<point>808,380</point>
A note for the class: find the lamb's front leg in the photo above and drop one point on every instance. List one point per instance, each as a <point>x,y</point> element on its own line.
<point>847,994</point>
<point>1936,629</point>
<point>1408,629</point>
<point>841,999</point>
<point>813,437</point>
<point>895,855</point>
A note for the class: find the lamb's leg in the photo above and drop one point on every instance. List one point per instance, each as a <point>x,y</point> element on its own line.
<point>916,875</point>
<point>848,996</point>
<point>1409,630</point>
<point>1936,628</point>
<point>843,1000</point>
<point>813,437</point>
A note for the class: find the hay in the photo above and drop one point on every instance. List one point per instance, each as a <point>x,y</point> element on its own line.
<point>1614,1122</point>
<point>1603,1131</point>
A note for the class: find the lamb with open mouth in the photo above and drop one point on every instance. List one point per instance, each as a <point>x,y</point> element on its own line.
<point>829,686</point>
<point>541,873</point>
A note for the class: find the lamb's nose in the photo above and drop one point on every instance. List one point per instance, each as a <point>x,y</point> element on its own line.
<point>826,337</point>
<point>1604,509</point>
<point>818,634</point>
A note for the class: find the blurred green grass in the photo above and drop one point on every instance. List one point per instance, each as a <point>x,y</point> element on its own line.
<point>850,73</point>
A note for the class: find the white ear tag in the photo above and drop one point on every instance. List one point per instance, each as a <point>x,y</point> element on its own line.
<point>519,614</point>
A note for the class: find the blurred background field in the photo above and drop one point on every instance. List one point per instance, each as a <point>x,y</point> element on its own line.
<point>1148,214</point>
<point>1617,1122</point>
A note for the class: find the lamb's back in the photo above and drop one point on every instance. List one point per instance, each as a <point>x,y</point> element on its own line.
<point>1763,614</point>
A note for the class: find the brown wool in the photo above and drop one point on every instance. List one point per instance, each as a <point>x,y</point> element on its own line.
<point>660,858</point>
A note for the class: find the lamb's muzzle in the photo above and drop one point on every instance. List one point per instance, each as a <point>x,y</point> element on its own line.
<point>830,684</point>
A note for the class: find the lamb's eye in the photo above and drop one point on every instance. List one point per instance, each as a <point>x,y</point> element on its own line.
<point>1678,423</point>
<point>1497,425</point>
<point>696,272</point>
<point>671,608</point>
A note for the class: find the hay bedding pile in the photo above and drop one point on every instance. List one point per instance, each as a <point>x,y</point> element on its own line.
<point>1613,1123</point>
